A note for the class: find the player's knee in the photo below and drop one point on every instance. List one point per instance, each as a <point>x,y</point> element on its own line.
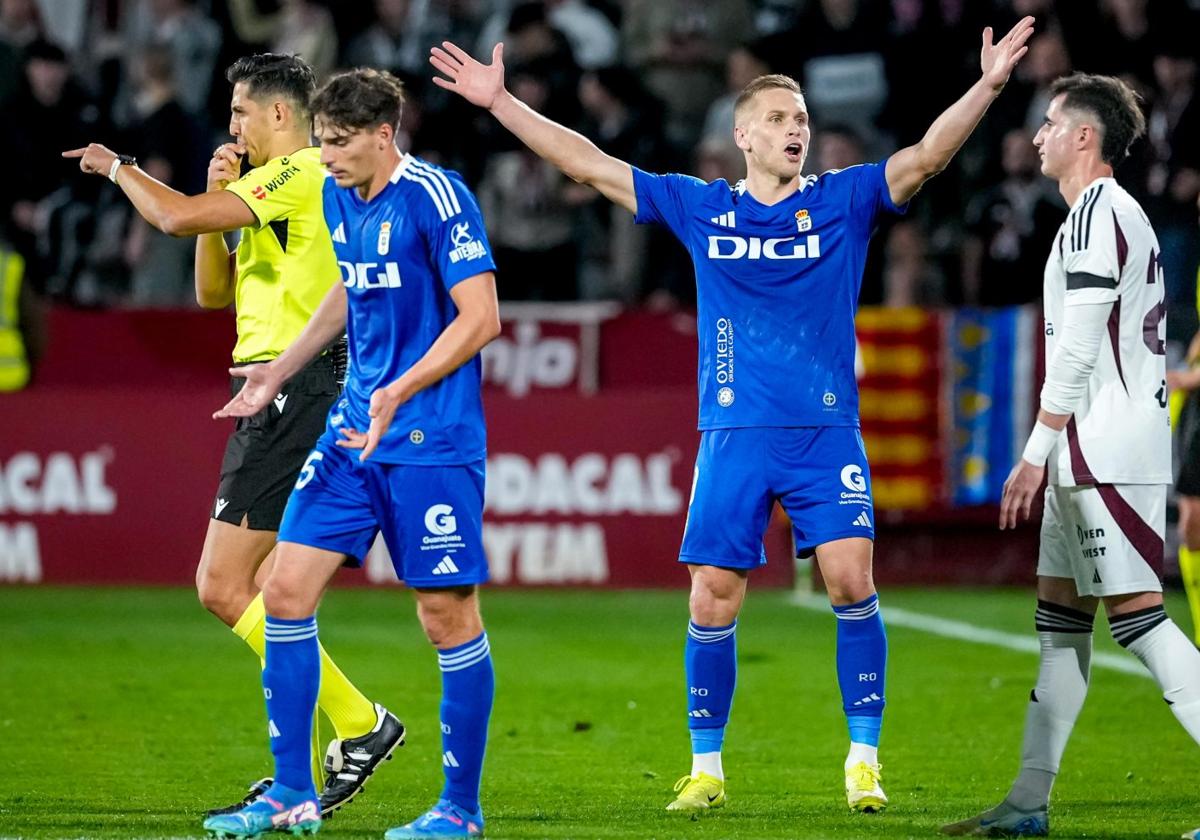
<point>449,621</point>
<point>225,602</point>
<point>284,598</point>
<point>712,608</point>
<point>849,587</point>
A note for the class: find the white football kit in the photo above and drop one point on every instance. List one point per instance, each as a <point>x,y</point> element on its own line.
<point>1105,513</point>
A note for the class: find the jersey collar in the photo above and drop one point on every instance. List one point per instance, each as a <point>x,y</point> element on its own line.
<point>405,159</point>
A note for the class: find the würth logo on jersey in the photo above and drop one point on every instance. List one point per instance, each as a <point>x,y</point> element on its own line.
<point>259,193</point>
<point>754,248</point>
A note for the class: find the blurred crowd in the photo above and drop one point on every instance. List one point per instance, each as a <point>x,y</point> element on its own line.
<point>651,81</point>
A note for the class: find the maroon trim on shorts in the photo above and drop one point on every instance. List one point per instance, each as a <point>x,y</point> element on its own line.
<point>1140,535</point>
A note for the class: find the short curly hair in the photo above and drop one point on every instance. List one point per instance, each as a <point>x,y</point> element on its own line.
<point>362,98</point>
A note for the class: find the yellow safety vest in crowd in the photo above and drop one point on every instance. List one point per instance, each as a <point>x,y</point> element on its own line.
<point>14,364</point>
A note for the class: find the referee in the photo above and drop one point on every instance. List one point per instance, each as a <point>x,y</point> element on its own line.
<point>282,268</point>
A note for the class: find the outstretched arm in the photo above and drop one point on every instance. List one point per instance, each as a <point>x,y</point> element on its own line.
<point>169,210</point>
<point>579,158</point>
<point>908,169</point>
<point>264,381</point>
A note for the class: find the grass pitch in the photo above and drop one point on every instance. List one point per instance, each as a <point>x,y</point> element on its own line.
<point>125,713</point>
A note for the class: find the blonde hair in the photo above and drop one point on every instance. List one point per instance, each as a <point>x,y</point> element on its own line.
<point>770,81</point>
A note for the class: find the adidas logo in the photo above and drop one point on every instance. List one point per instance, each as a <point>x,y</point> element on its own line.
<point>273,730</point>
<point>279,402</point>
<point>870,698</point>
<point>221,505</point>
<point>863,520</point>
<point>446,567</point>
<point>448,759</point>
<point>724,220</point>
<point>1096,577</point>
<point>339,235</point>
<point>700,713</point>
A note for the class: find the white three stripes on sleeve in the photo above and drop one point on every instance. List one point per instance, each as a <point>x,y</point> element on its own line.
<point>437,185</point>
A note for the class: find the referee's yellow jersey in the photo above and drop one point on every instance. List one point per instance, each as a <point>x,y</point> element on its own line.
<point>285,265</point>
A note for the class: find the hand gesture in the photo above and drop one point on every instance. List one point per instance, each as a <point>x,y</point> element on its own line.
<point>384,403</point>
<point>262,385</point>
<point>477,83</point>
<point>94,159</point>
<point>1183,380</point>
<point>226,165</point>
<point>1022,484</point>
<point>997,61</point>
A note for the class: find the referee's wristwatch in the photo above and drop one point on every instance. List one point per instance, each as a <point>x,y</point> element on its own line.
<point>121,160</point>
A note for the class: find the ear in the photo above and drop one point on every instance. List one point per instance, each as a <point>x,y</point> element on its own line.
<point>740,139</point>
<point>386,135</point>
<point>1086,134</point>
<point>280,114</point>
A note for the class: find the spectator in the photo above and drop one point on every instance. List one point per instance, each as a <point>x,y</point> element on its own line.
<point>300,27</point>
<point>836,146</point>
<point>910,277</point>
<point>620,115</point>
<point>22,324</point>
<point>745,64</point>
<point>403,30</point>
<point>841,46</point>
<point>594,40</point>
<point>1173,177</point>
<point>1010,229</point>
<point>166,140</point>
<point>529,208</point>
<point>20,23</point>
<point>47,204</point>
<point>1048,60</point>
<point>383,44</point>
<point>678,47</point>
<point>533,42</point>
<point>193,39</point>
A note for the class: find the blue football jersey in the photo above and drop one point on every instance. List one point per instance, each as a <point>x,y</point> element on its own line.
<point>400,254</point>
<point>776,291</point>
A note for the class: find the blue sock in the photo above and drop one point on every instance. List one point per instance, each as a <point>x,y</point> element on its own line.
<point>710,662</point>
<point>861,663</point>
<point>290,682</point>
<point>468,684</point>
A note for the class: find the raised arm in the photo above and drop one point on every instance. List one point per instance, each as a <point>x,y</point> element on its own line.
<point>908,169</point>
<point>579,158</point>
<point>169,210</point>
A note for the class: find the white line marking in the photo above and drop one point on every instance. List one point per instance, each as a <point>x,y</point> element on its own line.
<point>898,617</point>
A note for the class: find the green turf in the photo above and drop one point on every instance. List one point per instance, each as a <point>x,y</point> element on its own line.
<point>124,713</point>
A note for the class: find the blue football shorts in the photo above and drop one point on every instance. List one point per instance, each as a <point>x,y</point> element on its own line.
<point>431,516</point>
<point>819,474</point>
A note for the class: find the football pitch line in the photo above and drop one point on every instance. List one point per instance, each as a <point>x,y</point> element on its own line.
<point>898,617</point>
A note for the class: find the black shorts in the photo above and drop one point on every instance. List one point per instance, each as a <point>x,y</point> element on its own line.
<point>1188,483</point>
<point>265,452</point>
